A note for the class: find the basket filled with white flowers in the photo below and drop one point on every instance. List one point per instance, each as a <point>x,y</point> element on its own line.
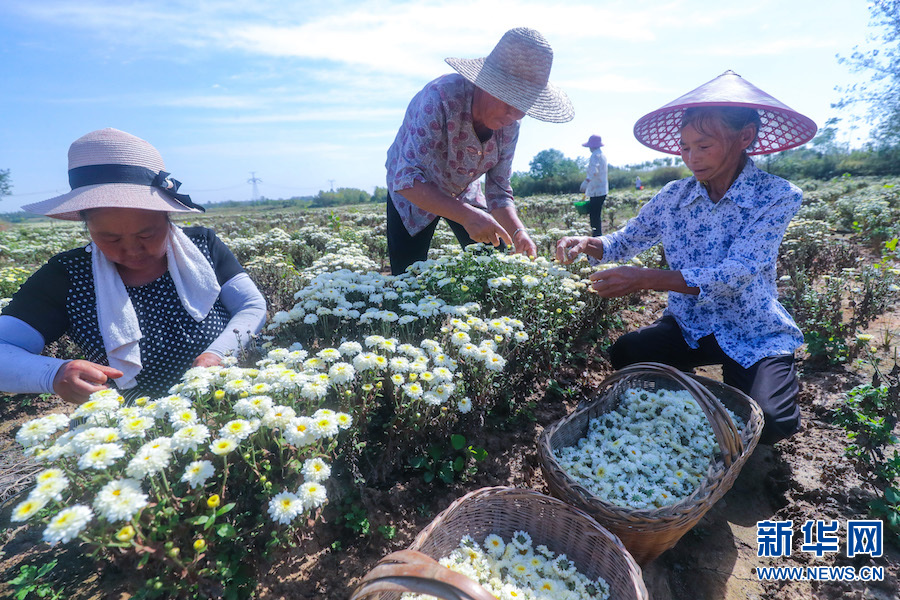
<point>508,543</point>
<point>651,453</point>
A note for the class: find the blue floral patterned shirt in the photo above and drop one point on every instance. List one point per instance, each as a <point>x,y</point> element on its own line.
<point>728,249</point>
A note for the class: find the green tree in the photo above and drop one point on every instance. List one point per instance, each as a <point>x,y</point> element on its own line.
<point>553,163</point>
<point>5,184</point>
<point>881,58</point>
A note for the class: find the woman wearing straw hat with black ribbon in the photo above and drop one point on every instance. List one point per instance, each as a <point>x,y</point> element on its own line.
<point>458,128</point>
<point>145,300</point>
<point>720,231</point>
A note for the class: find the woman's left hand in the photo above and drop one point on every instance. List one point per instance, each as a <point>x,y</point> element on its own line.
<point>524,244</point>
<point>207,359</point>
<point>619,281</point>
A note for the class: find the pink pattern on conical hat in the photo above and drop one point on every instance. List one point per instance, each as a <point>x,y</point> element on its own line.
<point>782,127</point>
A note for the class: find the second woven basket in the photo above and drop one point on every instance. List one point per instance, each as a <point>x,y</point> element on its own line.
<point>503,511</point>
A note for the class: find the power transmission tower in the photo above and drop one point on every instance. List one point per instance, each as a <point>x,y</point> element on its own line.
<point>331,182</point>
<point>254,180</point>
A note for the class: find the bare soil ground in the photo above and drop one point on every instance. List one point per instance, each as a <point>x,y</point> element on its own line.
<point>806,477</point>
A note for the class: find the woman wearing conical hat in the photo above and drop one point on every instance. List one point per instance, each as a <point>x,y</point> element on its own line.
<point>145,300</point>
<point>458,128</point>
<point>720,230</point>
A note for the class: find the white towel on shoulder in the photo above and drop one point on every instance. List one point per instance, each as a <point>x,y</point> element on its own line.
<point>196,283</point>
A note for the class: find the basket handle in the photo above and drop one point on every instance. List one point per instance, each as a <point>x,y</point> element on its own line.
<point>412,571</point>
<point>727,435</point>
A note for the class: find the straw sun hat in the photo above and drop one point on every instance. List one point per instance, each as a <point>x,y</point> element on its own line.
<point>782,127</point>
<point>109,168</point>
<point>517,72</point>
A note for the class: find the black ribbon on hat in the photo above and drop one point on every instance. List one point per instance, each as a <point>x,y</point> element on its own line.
<point>99,174</point>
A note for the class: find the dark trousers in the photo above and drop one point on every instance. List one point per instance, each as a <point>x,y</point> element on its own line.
<point>405,249</point>
<point>772,381</point>
<point>595,208</point>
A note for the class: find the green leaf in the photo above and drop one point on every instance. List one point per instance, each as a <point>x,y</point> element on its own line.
<point>418,462</point>
<point>446,473</point>
<point>479,454</point>
<point>458,464</point>
<point>201,520</point>
<point>428,476</point>
<point>892,495</point>
<point>225,509</point>
<point>458,441</point>
<point>226,530</point>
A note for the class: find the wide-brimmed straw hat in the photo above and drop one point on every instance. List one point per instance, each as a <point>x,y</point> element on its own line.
<point>593,142</point>
<point>782,127</point>
<point>517,71</point>
<point>109,168</point>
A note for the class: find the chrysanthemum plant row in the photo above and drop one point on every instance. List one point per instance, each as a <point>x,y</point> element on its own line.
<point>237,460</point>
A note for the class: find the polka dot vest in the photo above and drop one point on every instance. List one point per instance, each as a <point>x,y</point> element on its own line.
<point>172,339</point>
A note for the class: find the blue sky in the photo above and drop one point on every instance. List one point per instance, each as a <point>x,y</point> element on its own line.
<point>306,94</point>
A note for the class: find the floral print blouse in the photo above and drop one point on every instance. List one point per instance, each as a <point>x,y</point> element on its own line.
<point>728,249</point>
<point>437,144</point>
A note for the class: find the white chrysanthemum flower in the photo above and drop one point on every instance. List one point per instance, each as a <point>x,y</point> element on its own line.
<point>316,469</point>
<point>464,405</point>
<point>413,389</point>
<point>153,457</point>
<point>132,427</point>
<point>40,430</point>
<point>190,437</point>
<point>494,545</point>
<point>93,436</point>
<point>365,361</point>
<point>173,403</point>
<point>197,472</point>
<point>494,362</point>
<point>183,417</point>
<point>285,507</point>
<point>442,374</point>
<point>432,399</point>
<point>460,338</point>
<point>236,386</point>
<point>223,446</point>
<point>56,452</point>
<point>314,390</point>
<point>329,354</point>
<point>312,494</point>
<point>341,372</point>
<point>399,364</point>
<point>397,379</point>
<point>120,500</point>
<point>97,405</point>
<point>521,539</point>
<point>100,456</point>
<point>67,524</point>
<point>299,432</point>
<point>350,348</point>
<point>237,429</point>
<point>254,406</point>
<point>344,420</point>
<point>278,417</point>
<point>27,509</point>
<point>324,425</point>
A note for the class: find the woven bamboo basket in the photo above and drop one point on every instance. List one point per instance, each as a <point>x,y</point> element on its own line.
<point>647,533</point>
<point>502,510</point>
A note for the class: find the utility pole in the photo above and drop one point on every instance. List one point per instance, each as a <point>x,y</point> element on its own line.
<point>254,180</point>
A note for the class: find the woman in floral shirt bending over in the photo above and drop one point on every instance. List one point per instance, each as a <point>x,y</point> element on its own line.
<point>458,128</point>
<point>720,231</point>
